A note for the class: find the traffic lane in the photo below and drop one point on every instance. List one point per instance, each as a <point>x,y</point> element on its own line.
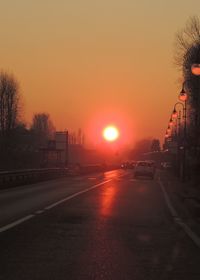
<point>135,238</point>
<point>122,230</point>
<point>22,201</point>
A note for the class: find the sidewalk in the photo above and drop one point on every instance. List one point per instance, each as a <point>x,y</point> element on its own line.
<point>185,199</point>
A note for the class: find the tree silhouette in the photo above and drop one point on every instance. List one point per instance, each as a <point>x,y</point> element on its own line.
<point>9,103</point>
<point>155,145</point>
<point>42,128</point>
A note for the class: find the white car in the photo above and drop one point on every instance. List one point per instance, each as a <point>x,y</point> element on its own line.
<point>144,168</point>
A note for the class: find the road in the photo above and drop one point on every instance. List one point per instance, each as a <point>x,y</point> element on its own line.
<point>104,226</point>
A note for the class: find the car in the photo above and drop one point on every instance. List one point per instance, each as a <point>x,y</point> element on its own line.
<point>144,168</point>
<point>124,165</point>
<point>166,165</point>
<point>133,164</point>
<point>152,163</point>
<point>128,165</point>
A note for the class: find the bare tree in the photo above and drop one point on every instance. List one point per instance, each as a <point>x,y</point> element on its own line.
<point>42,127</point>
<point>155,145</point>
<point>9,103</point>
<point>187,53</point>
<point>10,110</point>
<point>187,41</point>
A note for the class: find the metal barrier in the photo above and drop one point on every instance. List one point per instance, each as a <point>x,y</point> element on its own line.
<point>20,177</point>
<point>9,179</point>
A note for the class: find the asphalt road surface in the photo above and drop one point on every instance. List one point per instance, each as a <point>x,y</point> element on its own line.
<point>104,226</point>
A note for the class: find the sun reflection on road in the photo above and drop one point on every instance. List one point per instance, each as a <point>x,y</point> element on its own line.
<point>109,193</point>
<point>107,200</point>
<point>114,174</point>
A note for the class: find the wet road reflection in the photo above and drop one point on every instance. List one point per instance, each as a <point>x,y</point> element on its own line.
<point>109,193</point>
<point>114,174</point>
<point>119,230</point>
<point>107,200</point>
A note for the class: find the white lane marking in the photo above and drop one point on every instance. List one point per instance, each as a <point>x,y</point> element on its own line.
<point>11,225</point>
<point>171,208</point>
<point>39,212</point>
<point>76,194</point>
<point>16,223</point>
<point>195,238</point>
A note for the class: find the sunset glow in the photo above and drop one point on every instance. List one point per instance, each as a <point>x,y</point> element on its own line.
<point>73,59</point>
<point>110,133</point>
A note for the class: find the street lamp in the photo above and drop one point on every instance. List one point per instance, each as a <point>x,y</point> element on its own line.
<point>166,135</point>
<point>171,122</point>
<point>177,115</point>
<point>183,98</point>
<point>195,69</point>
<point>168,130</point>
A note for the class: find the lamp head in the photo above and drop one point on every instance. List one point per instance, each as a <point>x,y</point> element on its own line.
<point>174,114</point>
<point>195,69</point>
<point>183,95</point>
<point>170,122</point>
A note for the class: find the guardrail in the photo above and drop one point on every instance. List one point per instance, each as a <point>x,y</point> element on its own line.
<point>20,177</point>
<point>9,179</point>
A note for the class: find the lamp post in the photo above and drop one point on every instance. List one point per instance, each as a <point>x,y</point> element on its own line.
<point>171,122</point>
<point>181,145</point>
<point>177,115</point>
<point>195,69</point>
<point>182,97</point>
<point>173,129</point>
<point>168,129</point>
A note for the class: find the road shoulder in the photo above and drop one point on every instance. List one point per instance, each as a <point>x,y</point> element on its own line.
<point>174,193</point>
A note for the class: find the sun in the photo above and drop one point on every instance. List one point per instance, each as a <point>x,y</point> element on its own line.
<point>110,133</point>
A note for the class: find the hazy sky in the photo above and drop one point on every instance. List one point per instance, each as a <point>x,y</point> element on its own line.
<point>88,63</point>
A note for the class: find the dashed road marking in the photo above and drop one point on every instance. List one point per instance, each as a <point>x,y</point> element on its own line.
<point>76,194</point>
<point>39,212</point>
<point>24,219</point>
<point>20,221</point>
<point>195,238</point>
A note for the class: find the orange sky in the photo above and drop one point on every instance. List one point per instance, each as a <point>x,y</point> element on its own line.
<point>87,61</point>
